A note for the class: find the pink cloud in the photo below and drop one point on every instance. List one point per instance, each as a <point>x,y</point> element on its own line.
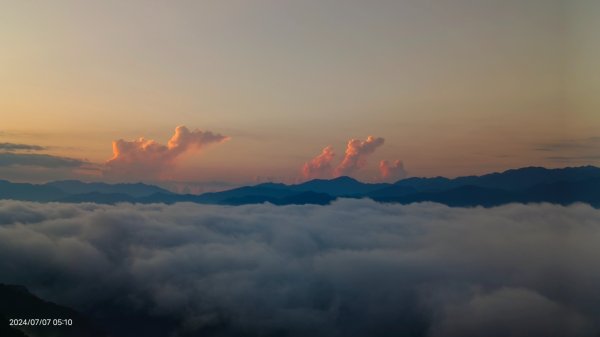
<point>392,171</point>
<point>145,159</point>
<point>356,155</point>
<point>319,166</point>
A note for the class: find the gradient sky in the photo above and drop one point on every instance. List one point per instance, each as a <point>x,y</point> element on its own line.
<point>454,87</point>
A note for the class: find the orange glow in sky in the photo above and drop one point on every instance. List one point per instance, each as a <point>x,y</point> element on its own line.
<point>454,88</point>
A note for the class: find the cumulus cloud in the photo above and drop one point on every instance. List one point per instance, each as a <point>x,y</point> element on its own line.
<point>354,159</point>
<point>148,159</point>
<point>391,171</point>
<point>319,166</point>
<point>38,160</point>
<point>10,147</point>
<point>353,268</point>
<point>356,155</point>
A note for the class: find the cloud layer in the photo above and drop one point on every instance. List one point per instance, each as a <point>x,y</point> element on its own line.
<point>391,171</point>
<point>355,158</point>
<point>354,268</point>
<point>20,147</point>
<point>148,159</point>
<point>319,166</point>
<point>357,152</point>
<point>38,160</point>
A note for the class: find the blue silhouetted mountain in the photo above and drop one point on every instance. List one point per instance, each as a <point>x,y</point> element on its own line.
<point>508,180</point>
<point>99,198</point>
<point>564,193</point>
<point>462,196</point>
<point>78,187</point>
<point>339,187</point>
<point>392,191</point>
<point>425,184</point>
<point>29,192</point>
<point>267,190</point>
<point>530,184</point>
<point>525,185</point>
<point>294,198</point>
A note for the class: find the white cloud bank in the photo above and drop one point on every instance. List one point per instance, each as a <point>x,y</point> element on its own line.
<point>353,268</point>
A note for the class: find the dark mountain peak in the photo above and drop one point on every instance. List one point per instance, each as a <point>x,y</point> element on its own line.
<point>527,168</point>
<point>337,180</point>
<point>272,185</point>
<point>340,186</point>
<point>345,179</point>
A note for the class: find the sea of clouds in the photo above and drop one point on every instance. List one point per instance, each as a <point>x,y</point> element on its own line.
<point>353,268</point>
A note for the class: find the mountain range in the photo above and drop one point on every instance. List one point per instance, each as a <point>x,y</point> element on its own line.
<point>524,185</point>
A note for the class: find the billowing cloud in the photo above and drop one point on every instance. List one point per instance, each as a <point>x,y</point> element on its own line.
<point>392,171</point>
<point>354,159</point>
<point>356,155</point>
<point>503,309</point>
<point>353,268</point>
<point>319,166</point>
<point>10,147</point>
<point>38,160</point>
<point>148,159</point>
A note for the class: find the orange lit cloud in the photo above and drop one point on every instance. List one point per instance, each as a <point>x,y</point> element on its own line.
<point>354,159</point>
<point>319,166</point>
<point>144,159</point>
<point>357,152</point>
<point>392,171</point>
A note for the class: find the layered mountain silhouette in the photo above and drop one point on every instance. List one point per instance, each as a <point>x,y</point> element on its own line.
<point>17,302</point>
<point>524,185</point>
<point>65,189</point>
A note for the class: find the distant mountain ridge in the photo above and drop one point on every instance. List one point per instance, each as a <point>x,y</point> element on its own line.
<point>524,185</point>
<point>510,179</point>
<point>78,187</point>
<point>65,190</point>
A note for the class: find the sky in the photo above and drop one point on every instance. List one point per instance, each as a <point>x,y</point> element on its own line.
<point>292,90</point>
